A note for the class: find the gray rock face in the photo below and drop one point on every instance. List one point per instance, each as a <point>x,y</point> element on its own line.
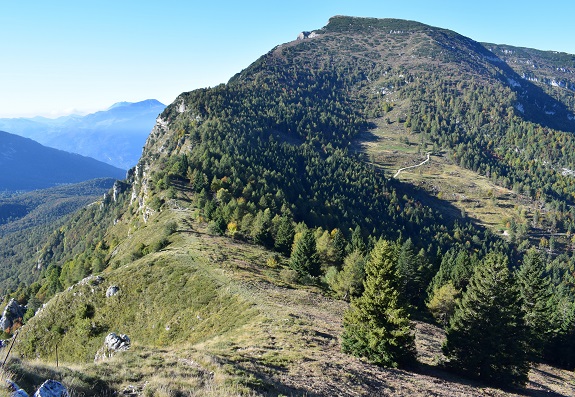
<point>92,280</point>
<point>117,342</point>
<point>306,35</point>
<point>112,290</point>
<point>112,344</point>
<point>12,312</point>
<point>119,188</point>
<point>51,388</point>
<point>16,391</point>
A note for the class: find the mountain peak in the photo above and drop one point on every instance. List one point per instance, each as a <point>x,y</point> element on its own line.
<point>145,103</point>
<point>119,105</point>
<point>342,23</point>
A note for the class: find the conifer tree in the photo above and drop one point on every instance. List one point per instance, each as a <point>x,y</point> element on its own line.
<point>406,261</point>
<point>535,288</point>
<point>487,336</point>
<point>463,269</point>
<point>285,234</point>
<point>218,224</point>
<point>348,282</point>
<point>456,266</point>
<point>560,347</point>
<point>411,268</point>
<point>304,258</point>
<point>338,243</point>
<point>323,241</point>
<point>261,227</point>
<point>376,326</point>
<point>357,241</point>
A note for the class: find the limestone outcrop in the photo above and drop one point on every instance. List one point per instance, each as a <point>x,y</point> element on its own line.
<point>306,35</point>
<point>15,390</point>
<point>112,344</point>
<point>51,388</point>
<point>112,290</point>
<point>12,313</point>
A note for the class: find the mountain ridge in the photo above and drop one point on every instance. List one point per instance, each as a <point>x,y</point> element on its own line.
<point>228,172</point>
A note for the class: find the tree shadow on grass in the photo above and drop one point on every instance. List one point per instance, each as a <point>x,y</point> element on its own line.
<point>442,374</point>
<point>260,378</point>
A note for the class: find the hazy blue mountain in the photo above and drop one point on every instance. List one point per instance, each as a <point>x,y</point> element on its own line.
<point>27,165</point>
<point>115,136</point>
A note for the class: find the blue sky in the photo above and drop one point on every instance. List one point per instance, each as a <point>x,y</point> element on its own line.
<point>58,57</point>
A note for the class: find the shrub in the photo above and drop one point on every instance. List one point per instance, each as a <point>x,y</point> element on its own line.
<point>289,276</point>
<point>171,227</point>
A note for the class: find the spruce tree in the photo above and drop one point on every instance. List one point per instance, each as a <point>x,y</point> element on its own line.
<point>376,326</point>
<point>411,268</point>
<point>407,263</point>
<point>560,347</point>
<point>357,241</point>
<point>487,336</point>
<point>463,269</point>
<point>456,266</point>
<point>218,224</point>
<point>338,244</point>
<point>304,258</point>
<point>284,236</point>
<point>535,288</point>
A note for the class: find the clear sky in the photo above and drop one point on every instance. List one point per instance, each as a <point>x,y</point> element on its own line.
<point>58,57</point>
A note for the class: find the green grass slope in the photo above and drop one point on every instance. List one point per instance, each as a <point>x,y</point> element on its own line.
<point>211,316</point>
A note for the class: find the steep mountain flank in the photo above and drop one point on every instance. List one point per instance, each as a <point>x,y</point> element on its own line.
<point>29,221</point>
<point>202,241</point>
<point>551,70</point>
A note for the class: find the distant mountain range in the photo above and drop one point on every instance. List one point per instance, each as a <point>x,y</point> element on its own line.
<point>115,136</point>
<point>27,165</point>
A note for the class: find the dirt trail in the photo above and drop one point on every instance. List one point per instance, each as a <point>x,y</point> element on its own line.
<point>413,166</point>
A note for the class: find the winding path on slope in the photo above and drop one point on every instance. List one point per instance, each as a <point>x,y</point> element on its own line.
<point>413,166</point>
